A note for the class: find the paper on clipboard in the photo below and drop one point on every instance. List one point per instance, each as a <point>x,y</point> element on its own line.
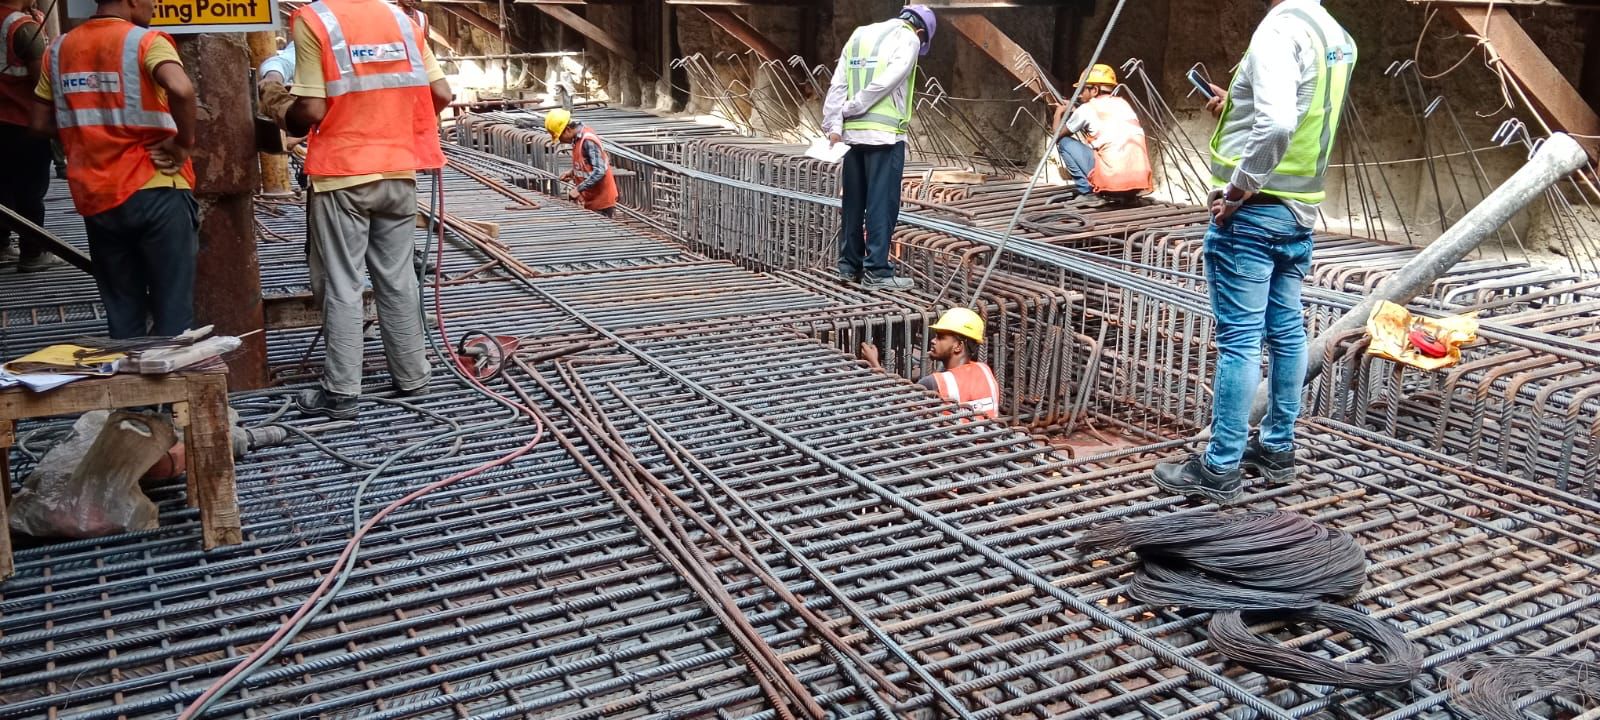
<point>822,150</point>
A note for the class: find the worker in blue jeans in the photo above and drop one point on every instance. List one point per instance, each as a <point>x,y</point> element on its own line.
<point>1269,159</point>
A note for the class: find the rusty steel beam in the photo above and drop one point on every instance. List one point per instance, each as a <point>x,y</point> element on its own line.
<point>274,166</point>
<point>744,33</point>
<point>587,29</point>
<point>1555,99</point>
<point>993,41</point>
<point>227,291</point>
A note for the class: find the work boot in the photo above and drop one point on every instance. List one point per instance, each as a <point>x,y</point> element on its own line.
<point>400,392</point>
<point>1194,479</point>
<point>39,263</point>
<point>887,283</point>
<point>846,276</point>
<point>1276,467</point>
<point>9,254</point>
<point>322,403</point>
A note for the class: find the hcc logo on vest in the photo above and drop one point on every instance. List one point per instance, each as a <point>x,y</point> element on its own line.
<point>91,82</point>
<point>389,52</point>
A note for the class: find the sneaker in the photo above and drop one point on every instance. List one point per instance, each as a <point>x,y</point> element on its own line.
<point>322,403</point>
<point>10,254</point>
<point>887,283</point>
<point>1194,479</point>
<point>1277,467</point>
<point>39,263</point>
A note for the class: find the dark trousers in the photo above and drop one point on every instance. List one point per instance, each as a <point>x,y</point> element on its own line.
<point>24,182</point>
<point>144,255</point>
<point>871,208</point>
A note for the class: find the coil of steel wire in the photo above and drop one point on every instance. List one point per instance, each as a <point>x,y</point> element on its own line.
<point>1497,687</point>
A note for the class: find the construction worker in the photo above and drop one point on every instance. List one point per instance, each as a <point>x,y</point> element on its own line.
<point>594,187</point>
<point>23,186</point>
<point>964,380</point>
<point>118,95</point>
<point>869,107</point>
<point>414,11</point>
<point>1269,157</point>
<point>368,92</point>
<point>1112,158</point>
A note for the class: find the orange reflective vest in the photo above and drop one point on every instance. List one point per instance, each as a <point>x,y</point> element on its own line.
<point>604,193</point>
<point>380,111</point>
<point>1121,159</point>
<point>108,109</point>
<point>16,87</point>
<point>972,386</point>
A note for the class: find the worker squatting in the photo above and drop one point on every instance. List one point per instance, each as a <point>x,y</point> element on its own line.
<point>131,179</point>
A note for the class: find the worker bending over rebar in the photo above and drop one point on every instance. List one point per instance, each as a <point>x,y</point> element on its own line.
<point>1112,159</point>
<point>594,185</point>
<point>368,92</point>
<point>1269,156</point>
<point>965,380</point>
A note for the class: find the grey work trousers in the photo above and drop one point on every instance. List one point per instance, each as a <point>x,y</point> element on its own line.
<point>353,230</point>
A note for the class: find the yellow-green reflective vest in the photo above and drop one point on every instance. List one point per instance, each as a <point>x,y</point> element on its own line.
<point>1300,175</point>
<point>864,54</point>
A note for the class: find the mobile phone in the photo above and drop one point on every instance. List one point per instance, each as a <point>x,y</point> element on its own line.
<point>1198,80</point>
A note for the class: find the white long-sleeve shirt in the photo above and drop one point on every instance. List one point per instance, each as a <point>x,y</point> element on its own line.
<point>896,60</point>
<point>1273,89</point>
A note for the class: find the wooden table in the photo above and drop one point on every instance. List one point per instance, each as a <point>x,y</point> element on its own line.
<point>199,405</point>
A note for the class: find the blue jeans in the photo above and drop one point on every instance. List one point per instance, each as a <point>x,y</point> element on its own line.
<point>1255,264</point>
<point>144,259</point>
<point>870,208</point>
<point>1078,159</point>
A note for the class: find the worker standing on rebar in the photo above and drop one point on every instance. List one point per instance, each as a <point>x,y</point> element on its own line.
<point>124,108</point>
<point>1112,159</point>
<point>964,380</point>
<point>1269,156</point>
<point>594,186</point>
<point>368,93</point>
<point>24,184</point>
<point>869,108</point>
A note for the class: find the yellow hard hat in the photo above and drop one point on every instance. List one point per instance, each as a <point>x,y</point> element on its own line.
<point>556,122</point>
<point>1100,75</point>
<point>963,322</point>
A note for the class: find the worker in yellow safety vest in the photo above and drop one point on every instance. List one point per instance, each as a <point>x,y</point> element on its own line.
<point>1111,160</point>
<point>1269,159</point>
<point>965,380</point>
<point>869,107</point>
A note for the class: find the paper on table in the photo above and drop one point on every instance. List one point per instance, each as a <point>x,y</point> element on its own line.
<point>822,150</point>
<point>37,382</point>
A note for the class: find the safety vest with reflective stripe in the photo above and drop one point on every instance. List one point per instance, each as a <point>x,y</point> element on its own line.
<point>1301,174</point>
<point>604,193</point>
<point>1121,158</point>
<point>380,111</point>
<point>16,88</point>
<point>863,55</point>
<point>972,386</point>
<point>108,110</point>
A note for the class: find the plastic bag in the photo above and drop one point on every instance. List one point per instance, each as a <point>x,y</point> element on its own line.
<point>88,485</point>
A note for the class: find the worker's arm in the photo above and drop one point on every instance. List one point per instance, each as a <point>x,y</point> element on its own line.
<point>833,104</point>
<point>171,154</point>
<point>899,59</point>
<point>437,85</point>
<point>309,88</point>
<point>441,95</point>
<point>42,118</point>
<point>1273,67</point>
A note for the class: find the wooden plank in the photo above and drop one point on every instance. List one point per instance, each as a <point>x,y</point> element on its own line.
<point>286,312</point>
<point>1555,99</point>
<point>745,33</point>
<point>996,44</point>
<point>209,451</point>
<point>587,29</point>
<point>93,394</point>
<point>60,248</point>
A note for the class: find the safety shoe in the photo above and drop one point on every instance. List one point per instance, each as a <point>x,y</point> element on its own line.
<point>848,277</point>
<point>39,263</point>
<point>1274,466</point>
<point>9,254</point>
<point>1194,479</point>
<point>892,282</point>
<point>322,403</point>
<point>400,392</point>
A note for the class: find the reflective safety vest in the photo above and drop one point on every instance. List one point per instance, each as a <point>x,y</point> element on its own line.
<point>1300,175</point>
<point>108,109</point>
<point>604,193</point>
<point>1121,158</point>
<point>972,386</point>
<point>16,88</point>
<point>863,55</point>
<point>380,109</point>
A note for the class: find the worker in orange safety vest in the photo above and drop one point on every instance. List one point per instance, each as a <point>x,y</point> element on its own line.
<point>965,380</point>
<point>368,92</point>
<point>1112,158</point>
<point>117,94</point>
<point>594,186</point>
<point>27,179</point>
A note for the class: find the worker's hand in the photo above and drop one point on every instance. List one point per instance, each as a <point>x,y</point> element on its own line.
<point>1221,209</point>
<point>168,156</point>
<point>572,194</point>
<point>1220,97</point>
<point>869,353</point>
<point>835,138</point>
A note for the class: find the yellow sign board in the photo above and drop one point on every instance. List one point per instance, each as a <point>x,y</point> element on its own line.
<point>197,16</point>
